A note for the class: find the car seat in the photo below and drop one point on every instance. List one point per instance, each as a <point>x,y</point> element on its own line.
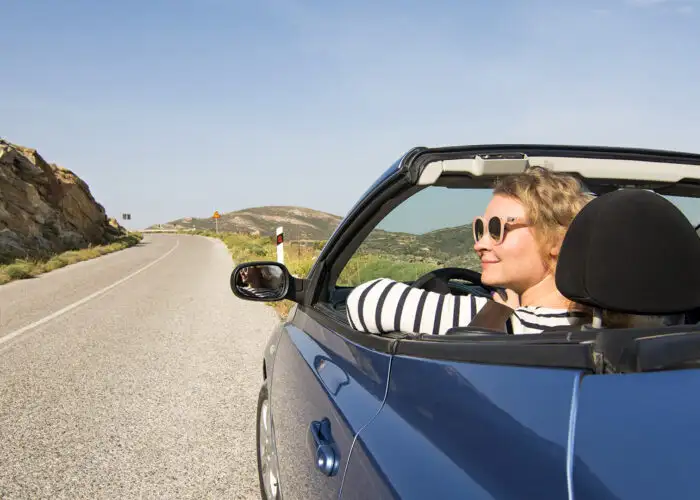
<point>631,251</point>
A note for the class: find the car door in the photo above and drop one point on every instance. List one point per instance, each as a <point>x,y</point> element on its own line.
<point>324,389</point>
<point>638,431</point>
<point>474,419</point>
<point>328,380</point>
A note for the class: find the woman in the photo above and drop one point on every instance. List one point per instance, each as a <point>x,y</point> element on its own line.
<point>518,240</point>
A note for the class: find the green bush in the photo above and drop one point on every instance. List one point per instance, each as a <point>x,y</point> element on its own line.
<point>20,270</point>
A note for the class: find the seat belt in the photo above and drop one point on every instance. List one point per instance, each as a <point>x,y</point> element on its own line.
<point>492,316</point>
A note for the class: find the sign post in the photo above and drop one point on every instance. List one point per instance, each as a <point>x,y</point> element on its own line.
<point>280,247</point>
<point>216,216</point>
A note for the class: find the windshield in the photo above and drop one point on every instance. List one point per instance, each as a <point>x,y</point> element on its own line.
<point>432,229</point>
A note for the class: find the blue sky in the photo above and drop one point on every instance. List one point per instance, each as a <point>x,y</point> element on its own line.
<point>173,108</point>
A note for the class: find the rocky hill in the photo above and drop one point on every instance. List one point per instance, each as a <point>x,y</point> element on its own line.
<point>298,222</point>
<point>45,208</point>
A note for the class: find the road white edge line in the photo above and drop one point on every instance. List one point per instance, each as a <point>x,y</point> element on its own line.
<point>82,301</point>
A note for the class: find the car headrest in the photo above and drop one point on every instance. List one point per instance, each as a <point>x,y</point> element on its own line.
<point>631,251</point>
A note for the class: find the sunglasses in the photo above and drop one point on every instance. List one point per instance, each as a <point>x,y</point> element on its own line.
<point>496,227</point>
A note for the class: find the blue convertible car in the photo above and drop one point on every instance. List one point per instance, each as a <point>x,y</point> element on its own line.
<point>585,413</point>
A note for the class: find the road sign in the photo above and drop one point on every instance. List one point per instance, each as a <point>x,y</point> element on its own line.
<point>216,217</point>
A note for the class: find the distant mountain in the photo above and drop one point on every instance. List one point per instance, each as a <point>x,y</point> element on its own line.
<point>298,222</point>
<point>450,246</point>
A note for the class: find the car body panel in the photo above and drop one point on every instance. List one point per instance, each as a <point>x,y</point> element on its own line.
<point>317,375</point>
<point>471,430</point>
<point>639,433</point>
<point>270,350</point>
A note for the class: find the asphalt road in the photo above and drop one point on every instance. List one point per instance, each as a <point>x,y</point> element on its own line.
<point>134,375</point>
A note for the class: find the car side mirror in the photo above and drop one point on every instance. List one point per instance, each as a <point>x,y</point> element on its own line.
<point>266,281</point>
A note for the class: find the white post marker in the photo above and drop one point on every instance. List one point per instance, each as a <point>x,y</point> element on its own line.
<point>280,243</point>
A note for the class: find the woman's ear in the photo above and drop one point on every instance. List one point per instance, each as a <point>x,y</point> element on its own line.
<point>554,250</point>
<point>553,257</point>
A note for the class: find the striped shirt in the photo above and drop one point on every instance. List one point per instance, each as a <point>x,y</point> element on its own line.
<point>384,305</point>
<point>261,293</point>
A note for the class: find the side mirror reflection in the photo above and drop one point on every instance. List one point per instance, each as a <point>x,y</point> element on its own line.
<point>264,281</point>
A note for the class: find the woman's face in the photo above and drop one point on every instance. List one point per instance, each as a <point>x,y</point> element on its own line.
<point>516,263</point>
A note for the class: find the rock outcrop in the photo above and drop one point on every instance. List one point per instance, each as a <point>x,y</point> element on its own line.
<point>46,209</point>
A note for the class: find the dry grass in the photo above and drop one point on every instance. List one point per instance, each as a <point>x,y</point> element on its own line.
<point>28,268</point>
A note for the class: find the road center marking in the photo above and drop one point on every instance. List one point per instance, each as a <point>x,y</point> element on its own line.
<point>82,301</point>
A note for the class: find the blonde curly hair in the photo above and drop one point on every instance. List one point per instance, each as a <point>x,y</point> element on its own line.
<point>551,200</point>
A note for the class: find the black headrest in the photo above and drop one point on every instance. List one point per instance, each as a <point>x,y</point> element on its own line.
<point>631,251</point>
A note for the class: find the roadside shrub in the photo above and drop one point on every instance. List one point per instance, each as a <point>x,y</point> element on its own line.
<point>23,268</point>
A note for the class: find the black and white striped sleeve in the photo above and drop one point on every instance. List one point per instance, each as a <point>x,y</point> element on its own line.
<point>384,305</point>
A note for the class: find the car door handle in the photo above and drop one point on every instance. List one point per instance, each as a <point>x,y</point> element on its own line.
<point>323,449</point>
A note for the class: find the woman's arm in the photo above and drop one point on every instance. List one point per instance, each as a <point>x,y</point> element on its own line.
<point>384,305</point>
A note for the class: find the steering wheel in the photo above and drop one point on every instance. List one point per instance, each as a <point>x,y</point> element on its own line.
<point>437,280</point>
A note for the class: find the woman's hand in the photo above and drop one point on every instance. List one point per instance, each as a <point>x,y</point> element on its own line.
<point>512,300</point>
